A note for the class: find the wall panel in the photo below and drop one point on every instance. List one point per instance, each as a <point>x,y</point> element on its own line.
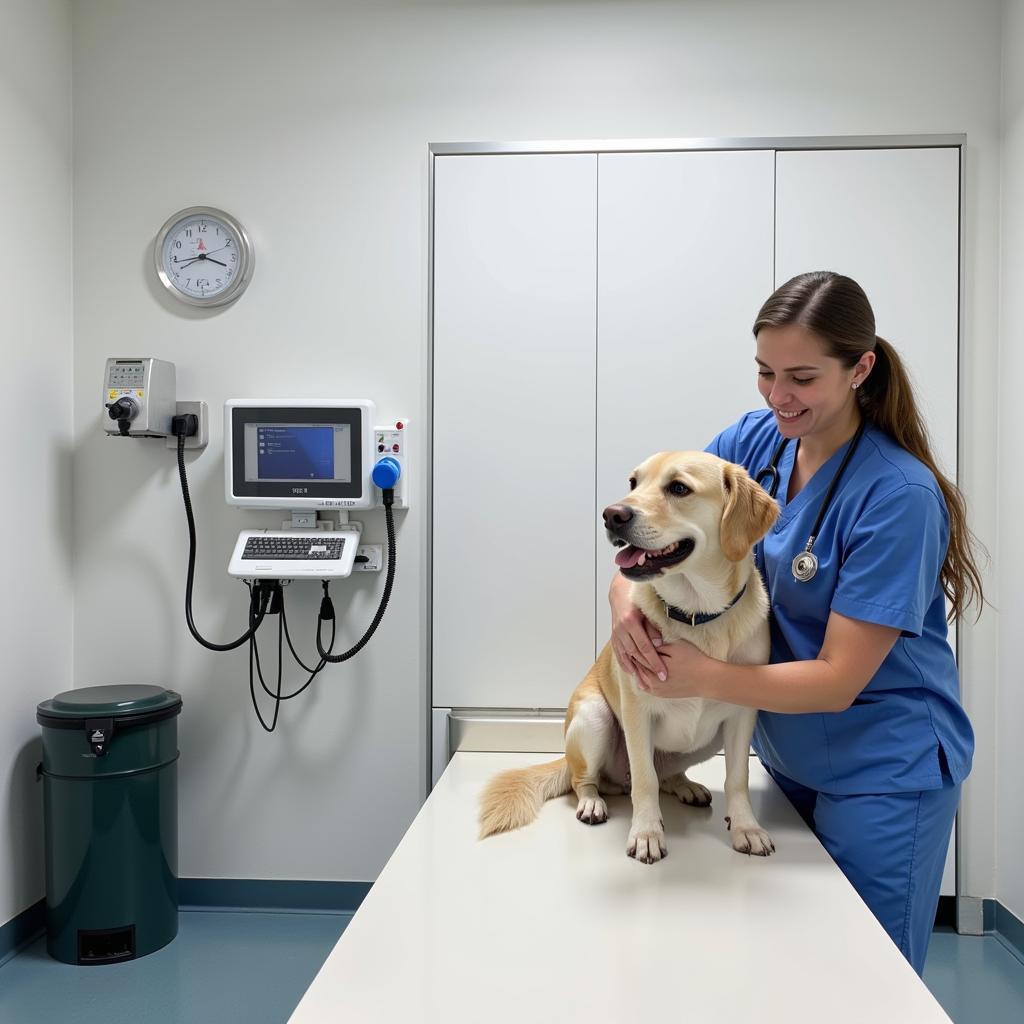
<point>514,384</point>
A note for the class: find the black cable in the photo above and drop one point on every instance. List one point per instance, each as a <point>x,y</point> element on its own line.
<point>291,646</point>
<point>253,625</point>
<point>253,647</point>
<point>255,651</point>
<point>389,498</point>
<point>313,674</point>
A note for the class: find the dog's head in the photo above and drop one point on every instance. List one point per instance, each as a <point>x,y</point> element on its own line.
<point>686,505</point>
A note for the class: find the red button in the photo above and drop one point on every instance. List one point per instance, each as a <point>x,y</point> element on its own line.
<point>399,425</point>
<point>394,447</point>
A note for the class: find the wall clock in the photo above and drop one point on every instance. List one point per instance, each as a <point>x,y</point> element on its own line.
<point>203,256</point>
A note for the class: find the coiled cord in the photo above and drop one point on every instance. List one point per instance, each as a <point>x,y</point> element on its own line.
<point>254,624</point>
<point>327,608</point>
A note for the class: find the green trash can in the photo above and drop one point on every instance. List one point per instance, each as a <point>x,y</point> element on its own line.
<point>110,810</point>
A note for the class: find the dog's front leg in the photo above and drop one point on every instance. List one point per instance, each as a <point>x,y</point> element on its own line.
<point>747,834</point>
<point>647,833</point>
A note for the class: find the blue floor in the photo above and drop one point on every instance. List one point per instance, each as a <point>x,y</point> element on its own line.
<point>252,968</point>
<point>223,968</point>
<point>977,979</point>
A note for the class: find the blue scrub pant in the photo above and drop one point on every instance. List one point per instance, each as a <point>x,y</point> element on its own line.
<point>891,846</point>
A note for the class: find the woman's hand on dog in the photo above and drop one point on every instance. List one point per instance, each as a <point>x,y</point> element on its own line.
<point>634,639</point>
<point>686,667</point>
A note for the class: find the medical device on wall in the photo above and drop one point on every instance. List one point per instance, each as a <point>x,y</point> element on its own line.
<point>140,400</point>
<point>139,397</point>
<point>308,456</point>
<point>308,453</point>
<point>317,459</point>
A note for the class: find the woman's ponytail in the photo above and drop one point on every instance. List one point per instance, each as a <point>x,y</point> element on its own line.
<point>890,404</point>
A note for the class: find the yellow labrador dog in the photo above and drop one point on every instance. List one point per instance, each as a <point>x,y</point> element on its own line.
<point>686,530</point>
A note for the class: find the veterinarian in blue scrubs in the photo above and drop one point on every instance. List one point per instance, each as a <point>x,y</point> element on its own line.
<point>862,725</point>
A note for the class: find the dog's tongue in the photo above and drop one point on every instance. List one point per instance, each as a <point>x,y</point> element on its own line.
<point>628,557</point>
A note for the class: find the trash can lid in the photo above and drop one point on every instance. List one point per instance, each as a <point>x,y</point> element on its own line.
<point>109,701</point>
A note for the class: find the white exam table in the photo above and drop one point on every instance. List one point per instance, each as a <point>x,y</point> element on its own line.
<point>555,923</point>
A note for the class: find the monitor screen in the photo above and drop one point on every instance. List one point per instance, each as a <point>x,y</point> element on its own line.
<point>298,456</point>
<point>296,452</point>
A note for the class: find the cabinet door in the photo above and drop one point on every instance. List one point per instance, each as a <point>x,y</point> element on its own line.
<point>514,362</point>
<point>685,261</point>
<point>890,219</point>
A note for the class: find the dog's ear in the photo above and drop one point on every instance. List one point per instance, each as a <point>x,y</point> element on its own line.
<point>748,515</point>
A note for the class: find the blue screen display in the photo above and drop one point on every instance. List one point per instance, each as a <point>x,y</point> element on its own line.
<point>295,453</point>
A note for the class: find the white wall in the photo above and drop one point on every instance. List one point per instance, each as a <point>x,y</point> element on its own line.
<point>1010,487</point>
<point>35,458</point>
<point>310,121</point>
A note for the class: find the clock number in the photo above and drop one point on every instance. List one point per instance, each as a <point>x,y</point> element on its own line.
<point>177,245</point>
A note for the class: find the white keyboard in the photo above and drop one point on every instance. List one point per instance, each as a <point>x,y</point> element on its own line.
<point>294,554</point>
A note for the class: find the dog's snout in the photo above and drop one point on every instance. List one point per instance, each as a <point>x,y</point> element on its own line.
<point>617,516</point>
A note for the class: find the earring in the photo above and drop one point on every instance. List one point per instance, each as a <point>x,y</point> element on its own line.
<point>855,385</point>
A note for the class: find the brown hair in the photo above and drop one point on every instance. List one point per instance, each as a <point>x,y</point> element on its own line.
<point>836,309</point>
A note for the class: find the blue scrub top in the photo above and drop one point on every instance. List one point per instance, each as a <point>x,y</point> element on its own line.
<point>880,549</point>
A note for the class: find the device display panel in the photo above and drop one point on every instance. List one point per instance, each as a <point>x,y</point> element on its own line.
<point>297,452</point>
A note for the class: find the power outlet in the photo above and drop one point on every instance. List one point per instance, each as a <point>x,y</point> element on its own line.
<point>374,555</point>
<point>202,438</point>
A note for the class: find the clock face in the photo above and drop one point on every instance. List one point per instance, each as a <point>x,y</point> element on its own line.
<point>203,257</point>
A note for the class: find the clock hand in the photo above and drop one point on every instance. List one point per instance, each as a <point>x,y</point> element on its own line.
<point>202,256</point>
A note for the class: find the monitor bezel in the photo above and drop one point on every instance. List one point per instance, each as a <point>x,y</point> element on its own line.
<point>286,494</point>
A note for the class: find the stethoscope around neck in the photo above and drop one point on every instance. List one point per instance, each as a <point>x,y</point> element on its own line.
<point>805,565</point>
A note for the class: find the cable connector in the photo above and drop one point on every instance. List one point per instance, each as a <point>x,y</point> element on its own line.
<point>326,605</point>
<point>385,475</point>
<point>186,425</point>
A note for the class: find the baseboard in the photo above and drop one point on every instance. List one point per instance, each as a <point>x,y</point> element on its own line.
<point>1010,930</point>
<point>22,930</point>
<point>281,895</point>
<point>997,920</point>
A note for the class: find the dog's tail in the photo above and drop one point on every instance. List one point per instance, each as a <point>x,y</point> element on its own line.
<point>514,798</point>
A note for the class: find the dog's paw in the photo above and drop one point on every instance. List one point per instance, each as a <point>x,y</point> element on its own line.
<point>693,794</point>
<point>647,845</point>
<point>592,811</point>
<point>751,839</point>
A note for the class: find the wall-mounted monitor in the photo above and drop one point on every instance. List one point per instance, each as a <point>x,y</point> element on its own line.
<point>299,453</point>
